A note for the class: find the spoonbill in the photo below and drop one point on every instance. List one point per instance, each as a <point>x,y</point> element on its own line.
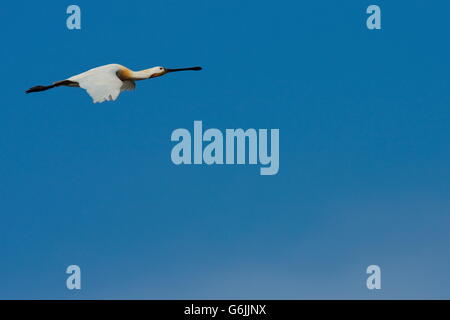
<point>105,83</point>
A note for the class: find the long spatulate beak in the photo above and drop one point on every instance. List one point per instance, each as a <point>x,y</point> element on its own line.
<point>184,69</point>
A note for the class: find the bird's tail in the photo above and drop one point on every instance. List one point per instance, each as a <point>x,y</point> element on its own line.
<point>67,83</point>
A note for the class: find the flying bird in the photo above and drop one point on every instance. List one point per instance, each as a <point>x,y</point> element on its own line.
<point>105,83</point>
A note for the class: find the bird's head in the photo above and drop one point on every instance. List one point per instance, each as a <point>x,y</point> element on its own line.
<point>157,72</point>
<point>160,71</point>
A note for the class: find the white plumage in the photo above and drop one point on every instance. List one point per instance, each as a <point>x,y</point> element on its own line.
<point>105,83</point>
<point>102,83</point>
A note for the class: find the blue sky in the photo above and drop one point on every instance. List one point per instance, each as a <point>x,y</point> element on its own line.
<point>364,154</point>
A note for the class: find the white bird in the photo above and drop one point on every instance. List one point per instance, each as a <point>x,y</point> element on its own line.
<point>105,83</point>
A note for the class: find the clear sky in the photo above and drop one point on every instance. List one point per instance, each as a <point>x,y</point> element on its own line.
<point>364,151</point>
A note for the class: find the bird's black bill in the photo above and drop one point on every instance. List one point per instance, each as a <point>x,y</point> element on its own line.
<point>184,69</point>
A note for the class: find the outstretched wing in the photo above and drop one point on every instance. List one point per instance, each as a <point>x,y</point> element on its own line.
<point>101,83</point>
<point>128,85</point>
